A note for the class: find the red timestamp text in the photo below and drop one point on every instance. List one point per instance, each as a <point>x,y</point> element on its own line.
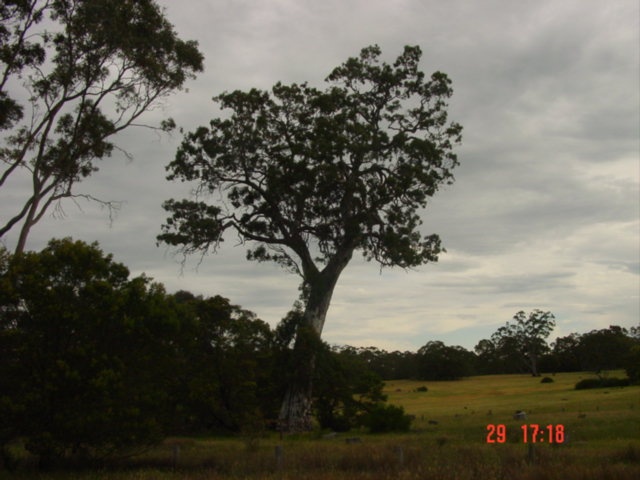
<point>531,433</point>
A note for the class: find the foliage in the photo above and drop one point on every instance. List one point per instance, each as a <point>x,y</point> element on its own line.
<point>225,369</point>
<point>388,365</point>
<point>546,380</point>
<point>89,70</point>
<point>604,445</point>
<point>344,388</point>
<point>565,354</point>
<point>588,383</point>
<point>387,418</point>
<point>604,349</point>
<point>632,364</point>
<point>87,355</point>
<point>436,361</point>
<point>524,340</point>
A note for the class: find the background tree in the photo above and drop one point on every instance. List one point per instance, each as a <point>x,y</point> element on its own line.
<point>311,176</point>
<point>437,361</point>
<point>564,355</point>
<point>605,349</point>
<point>225,382</point>
<point>526,337</point>
<point>88,72</point>
<point>345,388</point>
<point>487,358</point>
<point>632,364</point>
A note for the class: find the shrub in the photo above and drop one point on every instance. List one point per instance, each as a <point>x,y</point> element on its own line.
<point>632,364</point>
<point>589,383</point>
<point>422,389</point>
<point>387,418</point>
<point>546,380</point>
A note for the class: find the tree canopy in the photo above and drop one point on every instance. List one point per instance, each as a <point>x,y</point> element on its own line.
<point>338,169</point>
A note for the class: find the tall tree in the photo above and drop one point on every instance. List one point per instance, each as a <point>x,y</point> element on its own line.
<point>527,335</point>
<point>310,176</point>
<point>88,72</point>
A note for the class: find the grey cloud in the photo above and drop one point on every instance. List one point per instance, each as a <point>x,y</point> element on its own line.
<point>544,210</point>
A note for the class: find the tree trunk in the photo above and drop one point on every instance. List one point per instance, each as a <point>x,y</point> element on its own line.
<point>28,222</point>
<point>534,365</point>
<point>22,239</point>
<point>295,413</point>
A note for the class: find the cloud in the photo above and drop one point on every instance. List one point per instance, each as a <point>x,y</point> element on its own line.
<point>545,210</point>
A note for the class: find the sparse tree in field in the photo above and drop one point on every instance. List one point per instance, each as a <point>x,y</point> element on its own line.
<point>309,176</point>
<point>527,335</point>
<point>73,73</point>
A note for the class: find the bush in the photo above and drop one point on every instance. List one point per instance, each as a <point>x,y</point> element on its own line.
<point>387,418</point>
<point>632,364</point>
<point>589,383</point>
<point>84,353</point>
<point>422,389</point>
<point>546,380</point>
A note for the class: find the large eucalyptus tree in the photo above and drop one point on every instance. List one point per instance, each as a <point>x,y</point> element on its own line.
<point>309,176</point>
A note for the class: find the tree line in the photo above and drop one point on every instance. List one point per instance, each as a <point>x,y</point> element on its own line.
<point>94,363</point>
<point>597,351</point>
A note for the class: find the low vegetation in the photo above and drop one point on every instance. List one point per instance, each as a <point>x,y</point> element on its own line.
<point>448,439</point>
<point>588,383</point>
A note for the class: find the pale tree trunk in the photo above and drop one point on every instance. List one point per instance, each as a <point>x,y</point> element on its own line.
<point>295,412</point>
<point>26,228</point>
<point>534,365</point>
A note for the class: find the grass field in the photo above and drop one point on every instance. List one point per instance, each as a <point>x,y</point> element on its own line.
<point>448,440</point>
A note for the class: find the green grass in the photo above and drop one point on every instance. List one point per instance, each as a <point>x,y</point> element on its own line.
<point>603,428</point>
<point>464,408</point>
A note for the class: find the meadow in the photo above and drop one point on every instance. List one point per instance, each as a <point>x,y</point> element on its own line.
<point>448,440</point>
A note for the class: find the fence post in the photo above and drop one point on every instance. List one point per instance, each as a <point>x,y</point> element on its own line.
<point>176,455</point>
<point>278,452</point>
<point>400,454</point>
<point>531,452</point>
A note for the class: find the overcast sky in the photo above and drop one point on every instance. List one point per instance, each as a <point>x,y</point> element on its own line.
<point>545,209</point>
